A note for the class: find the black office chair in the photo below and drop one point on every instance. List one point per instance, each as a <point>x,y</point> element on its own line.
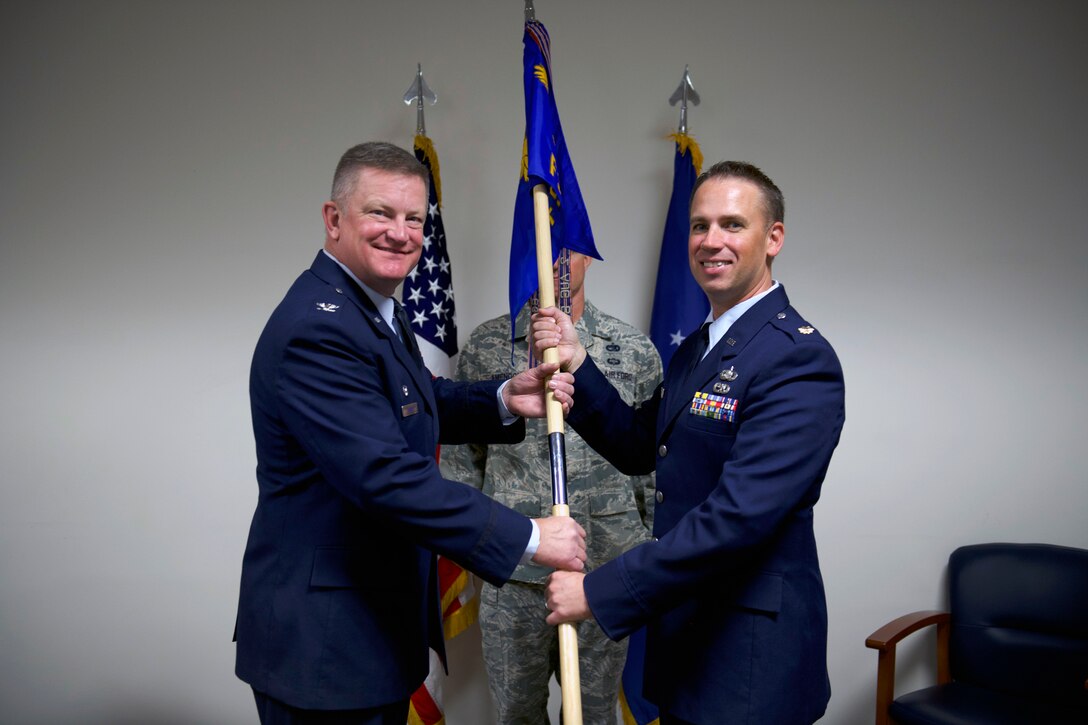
<point>1012,650</point>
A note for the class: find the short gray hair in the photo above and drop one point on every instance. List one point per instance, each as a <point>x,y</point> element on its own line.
<point>374,155</point>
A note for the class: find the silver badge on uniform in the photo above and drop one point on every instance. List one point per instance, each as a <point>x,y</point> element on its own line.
<point>729,375</point>
<point>806,330</point>
<point>721,388</point>
<point>327,307</point>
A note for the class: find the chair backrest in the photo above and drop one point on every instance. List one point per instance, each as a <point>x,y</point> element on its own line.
<point>1020,619</point>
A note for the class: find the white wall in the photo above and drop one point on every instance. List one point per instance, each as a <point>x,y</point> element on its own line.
<point>162,168</point>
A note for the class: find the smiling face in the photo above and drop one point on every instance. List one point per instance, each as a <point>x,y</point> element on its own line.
<point>731,241</point>
<point>377,229</point>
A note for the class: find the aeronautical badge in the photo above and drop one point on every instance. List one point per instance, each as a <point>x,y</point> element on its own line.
<point>728,375</point>
<point>806,329</point>
<point>327,307</point>
<point>716,407</point>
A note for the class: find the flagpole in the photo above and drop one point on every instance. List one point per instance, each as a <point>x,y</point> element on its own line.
<point>569,676</point>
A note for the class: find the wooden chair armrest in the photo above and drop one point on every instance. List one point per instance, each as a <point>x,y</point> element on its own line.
<point>895,630</point>
<point>887,637</point>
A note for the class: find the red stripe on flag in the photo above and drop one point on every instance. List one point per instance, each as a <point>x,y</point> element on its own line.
<point>424,708</point>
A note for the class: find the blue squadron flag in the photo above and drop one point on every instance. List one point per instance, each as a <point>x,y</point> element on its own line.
<point>635,709</point>
<point>680,306</point>
<point>427,294</point>
<point>544,160</point>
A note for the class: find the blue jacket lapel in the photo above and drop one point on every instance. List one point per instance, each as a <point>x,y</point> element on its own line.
<point>680,387</point>
<point>330,272</point>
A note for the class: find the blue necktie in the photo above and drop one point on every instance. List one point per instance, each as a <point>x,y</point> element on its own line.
<point>700,347</point>
<point>405,332</point>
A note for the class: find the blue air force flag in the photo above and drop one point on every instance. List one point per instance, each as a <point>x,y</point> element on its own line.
<point>680,306</point>
<point>544,160</point>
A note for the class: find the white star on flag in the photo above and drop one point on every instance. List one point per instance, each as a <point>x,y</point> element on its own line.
<point>428,300</point>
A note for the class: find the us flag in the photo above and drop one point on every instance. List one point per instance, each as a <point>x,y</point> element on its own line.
<point>427,295</point>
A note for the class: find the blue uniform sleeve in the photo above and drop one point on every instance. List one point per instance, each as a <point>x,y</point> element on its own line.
<point>335,399</point>
<point>622,433</point>
<point>773,471</point>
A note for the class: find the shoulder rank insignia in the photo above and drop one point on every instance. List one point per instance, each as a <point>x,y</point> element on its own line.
<point>806,329</point>
<point>327,307</point>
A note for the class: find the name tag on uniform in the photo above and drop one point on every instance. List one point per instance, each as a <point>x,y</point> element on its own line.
<point>409,409</point>
<point>717,407</point>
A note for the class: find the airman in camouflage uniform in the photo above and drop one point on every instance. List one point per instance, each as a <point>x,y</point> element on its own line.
<point>521,651</point>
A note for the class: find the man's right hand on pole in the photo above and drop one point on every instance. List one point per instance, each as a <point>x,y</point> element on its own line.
<point>562,543</point>
<point>552,328</point>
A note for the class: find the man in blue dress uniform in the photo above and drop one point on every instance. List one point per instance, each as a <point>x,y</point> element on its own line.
<point>741,435</point>
<point>339,599</point>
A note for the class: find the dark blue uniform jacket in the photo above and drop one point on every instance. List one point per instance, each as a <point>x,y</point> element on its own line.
<point>731,588</point>
<point>339,598</point>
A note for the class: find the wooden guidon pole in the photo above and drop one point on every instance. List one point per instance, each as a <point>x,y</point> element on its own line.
<point>569,677</point>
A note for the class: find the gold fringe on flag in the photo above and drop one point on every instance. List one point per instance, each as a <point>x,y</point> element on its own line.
<point>688,143</point>
<point>424,144</point>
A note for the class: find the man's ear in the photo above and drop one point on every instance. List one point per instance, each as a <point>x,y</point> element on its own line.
<point>776,235</point>
<point>330,213</point>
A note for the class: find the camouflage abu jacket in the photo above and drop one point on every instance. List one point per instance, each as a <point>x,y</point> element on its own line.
<point>615,510</point>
